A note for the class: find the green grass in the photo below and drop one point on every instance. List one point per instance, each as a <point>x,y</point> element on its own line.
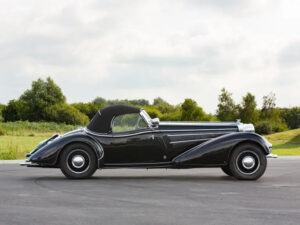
<point>16,147</point>
<point>25,128</point>
<point>19,138</point>
<point>285,143</point>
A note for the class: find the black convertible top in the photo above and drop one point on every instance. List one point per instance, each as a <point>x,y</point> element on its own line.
<point>101,122</point>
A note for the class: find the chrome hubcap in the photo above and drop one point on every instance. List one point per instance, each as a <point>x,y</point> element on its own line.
<point>248,162</point>
<point>78,161</point>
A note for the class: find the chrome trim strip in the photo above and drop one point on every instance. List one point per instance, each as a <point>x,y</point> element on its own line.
<point>115,135</point>
<point>174,135</point>
<point>195,140</point>
<point>199,123</point>
<point>148,131</point>
<point>190,130</point>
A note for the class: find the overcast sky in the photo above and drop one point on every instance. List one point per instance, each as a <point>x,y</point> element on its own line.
<point>144,49</point>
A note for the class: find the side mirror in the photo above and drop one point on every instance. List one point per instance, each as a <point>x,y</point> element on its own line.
<point>155,122</point>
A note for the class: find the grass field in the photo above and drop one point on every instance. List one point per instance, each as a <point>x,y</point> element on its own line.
<point>19,138</point>
<point>285,143</point>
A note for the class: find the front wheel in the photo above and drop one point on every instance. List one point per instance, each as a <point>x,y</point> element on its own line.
<point>248,162</point>
<point>226,170</point>
<point>78,161</point>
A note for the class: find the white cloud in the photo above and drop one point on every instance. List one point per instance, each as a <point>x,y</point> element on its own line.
<point>145,49</point>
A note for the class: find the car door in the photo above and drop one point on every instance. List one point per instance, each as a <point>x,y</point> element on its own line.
<point>133,141</point>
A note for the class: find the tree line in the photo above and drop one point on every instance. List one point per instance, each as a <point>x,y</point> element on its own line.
<point>45,101</point>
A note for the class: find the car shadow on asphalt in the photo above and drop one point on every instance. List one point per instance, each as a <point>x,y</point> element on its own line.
<point>175,178</point>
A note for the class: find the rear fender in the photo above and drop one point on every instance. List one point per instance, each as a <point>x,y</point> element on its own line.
<point>48,154</point>
<point>217,151</point>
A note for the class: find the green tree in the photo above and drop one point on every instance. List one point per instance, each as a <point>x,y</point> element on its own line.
<point>268,110</point>
<point>159,101</point>
<point>270,115</point>
<point>153,112</point>
<point>88,109</point>
<point>64,113</point>
<point>191,111</point>
<point>291,117</point>
<point>15,110</point>
<point>227,110</point>
<point>2,107</point>
<point>247,111</point>
<point>41,95</point>
<point>100,100</point>
<point>163,106</point>
<point>175,115</point>
<point>141,102</point>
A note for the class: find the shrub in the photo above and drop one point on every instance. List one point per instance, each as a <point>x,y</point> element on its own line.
<point>268,127</point>
<point>153,113</point>
<point>88,109</point>
<point>192,112</point>
<point>263,127</point>
<point>64,113</point>
<point>2,107</point>
<point>172,116</point>
<point>291,117</point>
<point>278,126</point>
<point>1,132</point>
<point>15,110</point>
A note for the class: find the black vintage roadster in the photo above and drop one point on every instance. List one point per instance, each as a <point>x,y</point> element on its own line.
<point>126,136</point>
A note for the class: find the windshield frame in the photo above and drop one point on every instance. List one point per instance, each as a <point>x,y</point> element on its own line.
<point>146,117</point>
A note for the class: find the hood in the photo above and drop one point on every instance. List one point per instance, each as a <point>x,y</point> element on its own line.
<point>222,126</point>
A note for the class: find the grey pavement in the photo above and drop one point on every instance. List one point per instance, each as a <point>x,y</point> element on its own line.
<point>159,196</point>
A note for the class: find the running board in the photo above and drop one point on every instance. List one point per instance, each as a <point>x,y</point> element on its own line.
<point>140,165</point>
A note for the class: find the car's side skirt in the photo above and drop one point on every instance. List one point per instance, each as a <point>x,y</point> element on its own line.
<point>139,165</point>
<point>170,165</point>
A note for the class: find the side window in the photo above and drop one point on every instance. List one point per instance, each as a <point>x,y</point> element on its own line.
<point>128,122</point>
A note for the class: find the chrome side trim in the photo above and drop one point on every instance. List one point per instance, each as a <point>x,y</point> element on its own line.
<point>115,135</point>
<point>195,140</point>
<point>220,124</point>
<point>174,135</point>
<point>194,130</point>
<point>152,131</point>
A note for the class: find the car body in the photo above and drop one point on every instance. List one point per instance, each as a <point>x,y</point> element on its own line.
<point>126,136</point>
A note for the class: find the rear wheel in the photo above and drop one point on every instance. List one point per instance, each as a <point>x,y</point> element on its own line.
<point>248,162</point>
<point>78,161</point>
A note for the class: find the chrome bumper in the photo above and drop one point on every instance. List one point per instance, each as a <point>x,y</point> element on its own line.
<point>272,156</point>
<point>29,164</point>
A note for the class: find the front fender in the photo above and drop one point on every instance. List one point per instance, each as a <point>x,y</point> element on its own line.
<point>47,154</point>
<point>216,151</point>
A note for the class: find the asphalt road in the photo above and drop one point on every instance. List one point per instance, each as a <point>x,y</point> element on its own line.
<point>159,196</point>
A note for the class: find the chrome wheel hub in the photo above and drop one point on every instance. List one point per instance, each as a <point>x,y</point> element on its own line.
<point>78,161</point>
<point>248,162</point>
